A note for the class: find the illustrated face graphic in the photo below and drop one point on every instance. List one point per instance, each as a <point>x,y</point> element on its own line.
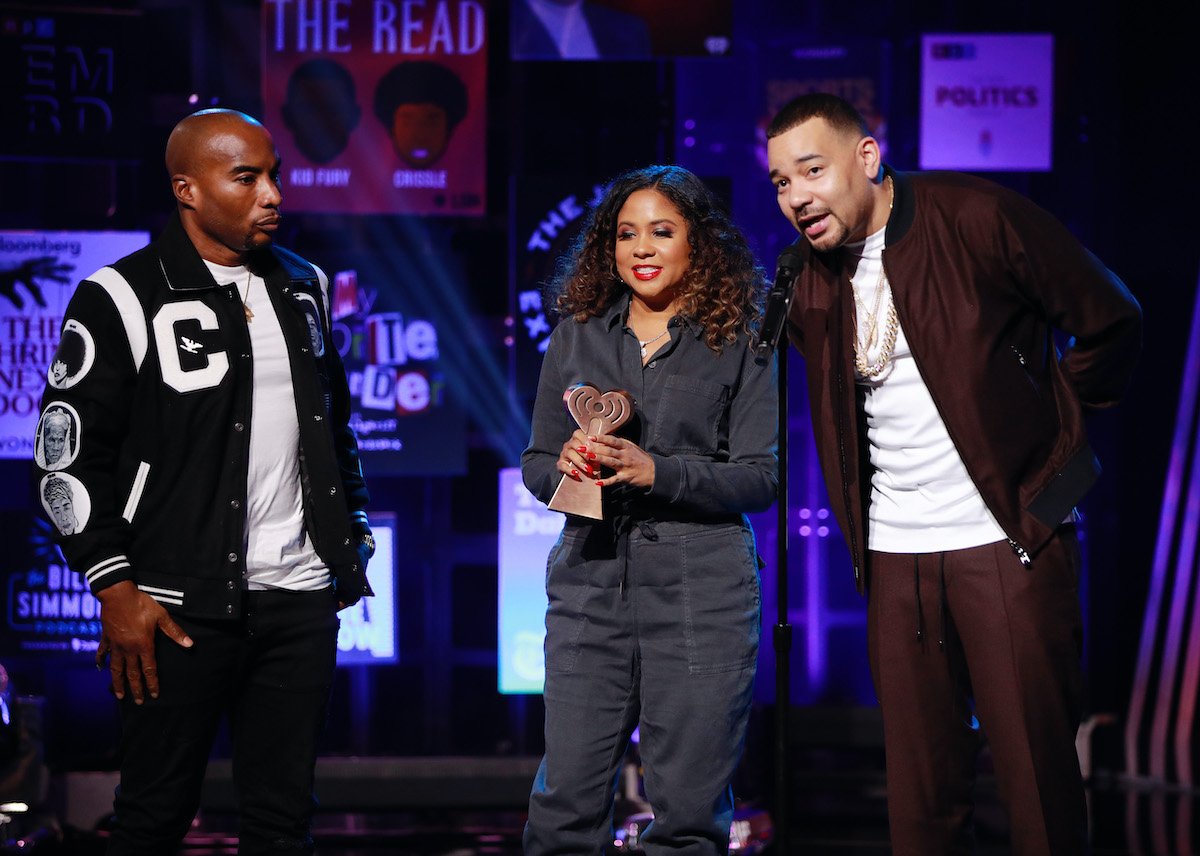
<point>320,110</point>
<point>420,133</point>
<point>66,502</point>
<point>64,515</point>
<point>61,505</point>
<point>55,439</point>
<point>314,333</point>
<point>74,357</point>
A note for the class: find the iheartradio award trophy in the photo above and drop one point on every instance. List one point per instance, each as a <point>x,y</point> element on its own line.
<point>596,414</point>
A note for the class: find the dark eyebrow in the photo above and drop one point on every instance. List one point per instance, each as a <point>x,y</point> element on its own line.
<point>256,170</point>
<point>661,220</point>
<point>796,162</point>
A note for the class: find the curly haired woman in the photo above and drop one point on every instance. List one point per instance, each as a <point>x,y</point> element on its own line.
<point>654,611</point>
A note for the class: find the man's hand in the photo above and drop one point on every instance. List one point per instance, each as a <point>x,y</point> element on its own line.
<point>129,619</point>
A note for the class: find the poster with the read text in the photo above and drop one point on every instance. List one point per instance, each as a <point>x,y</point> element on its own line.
<point>378,106</point>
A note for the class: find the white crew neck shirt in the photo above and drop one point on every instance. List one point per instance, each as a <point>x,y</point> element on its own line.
<point>279,554</point>
<point>922,499</point>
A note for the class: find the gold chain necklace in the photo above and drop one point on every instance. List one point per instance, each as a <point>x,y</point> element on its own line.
<point>245,306</point>
<point>891,330</point>
<point>868,341</point>
<point>863,344</point>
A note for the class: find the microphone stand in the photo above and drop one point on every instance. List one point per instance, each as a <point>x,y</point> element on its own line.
<point>778,301</point>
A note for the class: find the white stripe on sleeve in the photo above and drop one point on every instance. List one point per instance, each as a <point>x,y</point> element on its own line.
<point>128,307</point>
<point>101,569</point>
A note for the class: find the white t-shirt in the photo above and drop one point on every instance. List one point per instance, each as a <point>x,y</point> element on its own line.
<point>279,554</point>
<point>922,499</point>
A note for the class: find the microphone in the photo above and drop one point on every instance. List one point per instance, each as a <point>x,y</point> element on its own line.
<point>779,299</point>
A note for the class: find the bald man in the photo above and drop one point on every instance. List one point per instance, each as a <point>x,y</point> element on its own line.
<point>217,497</point>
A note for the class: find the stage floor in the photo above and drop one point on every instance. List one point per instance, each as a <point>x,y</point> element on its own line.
<point>838,813</point>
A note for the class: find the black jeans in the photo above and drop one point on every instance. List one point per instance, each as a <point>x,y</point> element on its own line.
<point>270,672</point>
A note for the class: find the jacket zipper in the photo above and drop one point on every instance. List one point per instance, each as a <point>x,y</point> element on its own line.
<point>1021,553</point>
<point>1037,389</point>
<point>851,511</point>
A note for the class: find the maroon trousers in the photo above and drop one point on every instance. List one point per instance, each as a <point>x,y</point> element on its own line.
<point>976,632</point>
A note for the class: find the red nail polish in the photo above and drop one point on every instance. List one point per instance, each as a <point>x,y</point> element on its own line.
<point>591,456</point>
<point>581,449</point>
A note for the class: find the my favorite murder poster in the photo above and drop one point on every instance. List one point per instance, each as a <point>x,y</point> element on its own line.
<point>379,105</point>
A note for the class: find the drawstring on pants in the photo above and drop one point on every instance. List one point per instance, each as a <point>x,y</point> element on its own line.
<point>621,530</point>
<point>646,527</point>
<point>942,607</point>
<point>917,587</point>
<point>942,582</point>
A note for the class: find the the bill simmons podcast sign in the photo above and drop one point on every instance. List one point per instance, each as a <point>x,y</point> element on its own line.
<point>378,104</point>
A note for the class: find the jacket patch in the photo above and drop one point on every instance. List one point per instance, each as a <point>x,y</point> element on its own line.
<point>57,437</point>
<point>178,336</point>
<point>312,314</point>
<point>74,357</point>
<point>66,501</point>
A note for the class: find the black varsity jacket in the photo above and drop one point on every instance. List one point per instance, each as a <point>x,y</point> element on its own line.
<point>152,384</point>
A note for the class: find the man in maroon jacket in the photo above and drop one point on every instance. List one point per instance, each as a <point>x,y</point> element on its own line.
<point>950,431</point>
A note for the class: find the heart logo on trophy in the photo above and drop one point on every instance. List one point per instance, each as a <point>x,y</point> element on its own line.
<point>596,413</point>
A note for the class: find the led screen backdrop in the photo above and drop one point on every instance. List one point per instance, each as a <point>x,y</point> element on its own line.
<point>71,81</point>
<point>791,65</point>
<point>620,29</point>
<point>986,102</point>
<point>368,629</point>
<point>38,275</point>
<point>49,610</point>
<point>406,419</point>
<point>548,212</point>
<point>527,532</point>
<point>398,326</point>
<point>378,106</point>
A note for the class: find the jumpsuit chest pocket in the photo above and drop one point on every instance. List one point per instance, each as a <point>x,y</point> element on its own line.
<point>689,415</point>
